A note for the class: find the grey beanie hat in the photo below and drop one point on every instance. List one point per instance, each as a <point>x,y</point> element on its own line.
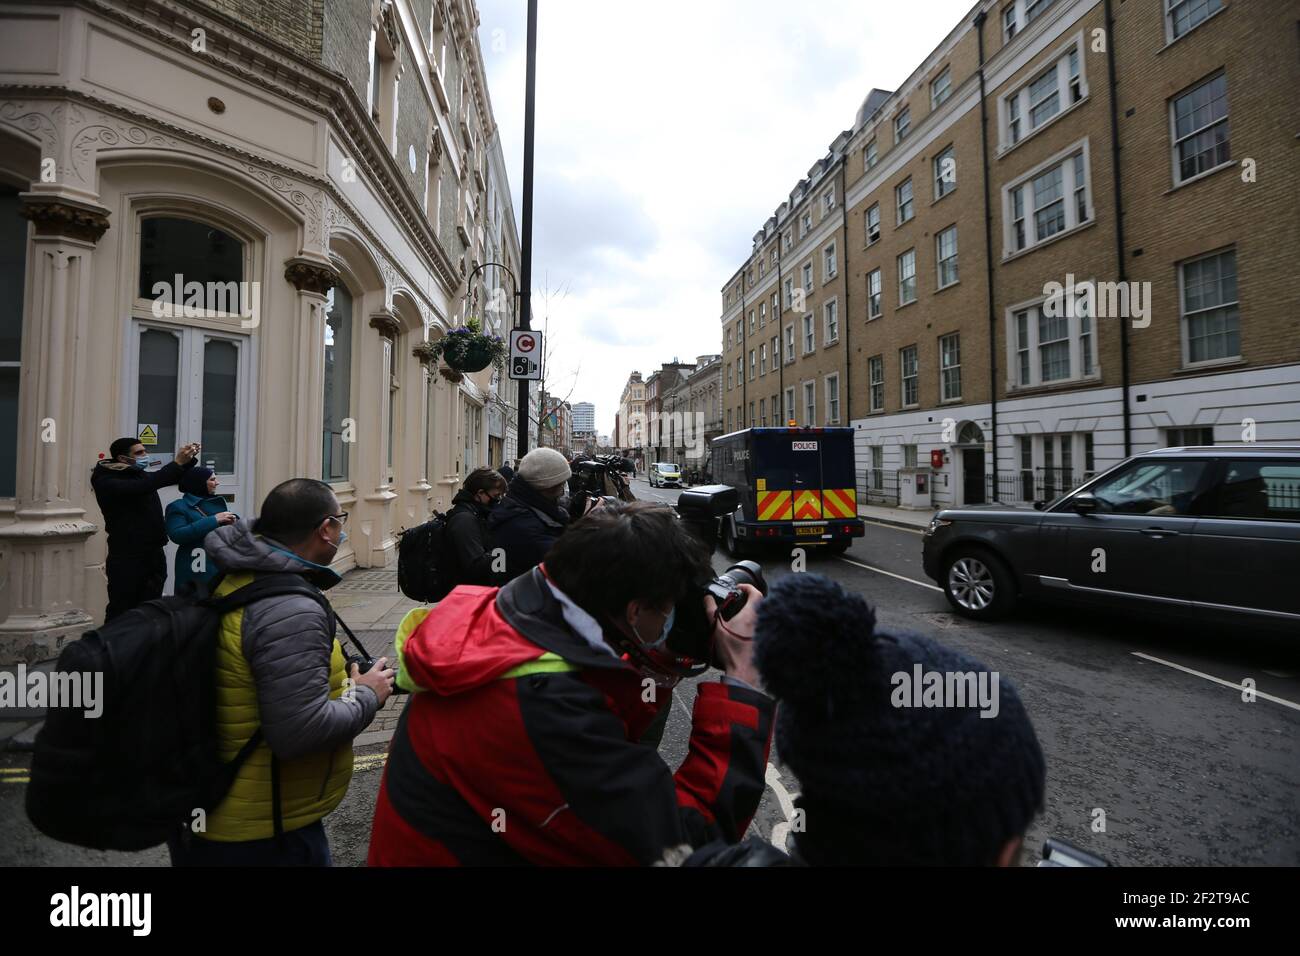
<point>544,468</point>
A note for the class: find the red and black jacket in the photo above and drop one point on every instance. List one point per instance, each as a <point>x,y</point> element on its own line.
<point>521,747</point>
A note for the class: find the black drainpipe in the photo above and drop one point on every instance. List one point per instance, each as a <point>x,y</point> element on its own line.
<point>846,320</point>
<point>1119,225</point>
<point>988,256</point>
<point>744,352</point>
<point>780,322</point>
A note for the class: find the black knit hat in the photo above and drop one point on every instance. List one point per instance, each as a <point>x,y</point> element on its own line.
<point>886,780</point>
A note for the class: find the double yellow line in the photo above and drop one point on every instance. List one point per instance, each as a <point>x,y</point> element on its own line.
<point>15,775</point>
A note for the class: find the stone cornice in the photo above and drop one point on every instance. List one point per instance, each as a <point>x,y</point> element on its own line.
<point>59,216</point>
<point>308,275</point>
<point>285,74</point>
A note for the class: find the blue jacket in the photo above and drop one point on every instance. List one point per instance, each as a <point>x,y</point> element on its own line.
<point>189,520</point>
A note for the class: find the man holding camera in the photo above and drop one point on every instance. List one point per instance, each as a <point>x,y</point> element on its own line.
<point>521,742</point>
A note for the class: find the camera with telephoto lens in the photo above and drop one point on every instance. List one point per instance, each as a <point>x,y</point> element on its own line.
<point>691,636</point>
<point>595,478</point>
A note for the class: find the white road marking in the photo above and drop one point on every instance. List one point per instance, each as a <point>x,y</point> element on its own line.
<point>1216,680</point>
<point>781,830</point>
<point>891,527</point>
<point>867,567</point>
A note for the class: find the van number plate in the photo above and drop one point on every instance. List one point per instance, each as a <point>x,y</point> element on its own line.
<point>818,531</point>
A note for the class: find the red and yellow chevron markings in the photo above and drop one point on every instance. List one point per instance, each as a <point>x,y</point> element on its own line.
<point>807,504</point>
<point>840,503</point>
<point>774,506</point>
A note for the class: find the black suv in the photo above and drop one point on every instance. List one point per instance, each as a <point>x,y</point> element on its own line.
<point>1212,533</point>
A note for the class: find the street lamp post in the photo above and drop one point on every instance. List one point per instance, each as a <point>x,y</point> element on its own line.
<point>526,240</point>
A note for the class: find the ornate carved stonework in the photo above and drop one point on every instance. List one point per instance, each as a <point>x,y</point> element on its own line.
<point>308,275</point>
<point>388,21</point>
<point>308,203</point>
<point>64,217</point>
<point>386,324</point>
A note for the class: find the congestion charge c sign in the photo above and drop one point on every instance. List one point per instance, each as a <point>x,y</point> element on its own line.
<point>525,343</point>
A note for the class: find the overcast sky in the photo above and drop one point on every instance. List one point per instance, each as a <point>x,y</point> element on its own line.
<point>667,134</point>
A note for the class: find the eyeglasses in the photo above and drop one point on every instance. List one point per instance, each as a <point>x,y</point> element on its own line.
<point>341,517</point>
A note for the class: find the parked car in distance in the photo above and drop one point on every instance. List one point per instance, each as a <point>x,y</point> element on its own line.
<point>1209,532</point>
<point>665,474</point>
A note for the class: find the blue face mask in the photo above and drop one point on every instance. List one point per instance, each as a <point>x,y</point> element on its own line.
<point>663,636</point>
<point>140,462</point>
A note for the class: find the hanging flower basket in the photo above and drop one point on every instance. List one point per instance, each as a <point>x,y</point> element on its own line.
<point>465,349</point>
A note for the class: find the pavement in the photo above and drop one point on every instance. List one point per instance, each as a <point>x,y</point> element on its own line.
<point>366,599</point>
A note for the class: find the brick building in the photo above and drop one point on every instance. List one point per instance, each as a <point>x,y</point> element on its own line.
<point>1031,271</point>
<point>329,163</point>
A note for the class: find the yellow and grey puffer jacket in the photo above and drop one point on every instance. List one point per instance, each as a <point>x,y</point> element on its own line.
<point>279,668</point>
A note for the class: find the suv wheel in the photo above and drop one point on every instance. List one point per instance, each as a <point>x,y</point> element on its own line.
<point>978,584</point>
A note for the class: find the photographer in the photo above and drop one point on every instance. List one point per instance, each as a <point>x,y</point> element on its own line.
<point>468,559</point>
<point>520,744</point>
<point>529,520</point>
<point>885,782</point>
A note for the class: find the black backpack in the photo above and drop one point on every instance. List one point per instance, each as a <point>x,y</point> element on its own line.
<point>132,777</point>
<point>419,558</point>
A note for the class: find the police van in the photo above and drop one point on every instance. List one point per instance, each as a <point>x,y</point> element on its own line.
<point>796,487</point>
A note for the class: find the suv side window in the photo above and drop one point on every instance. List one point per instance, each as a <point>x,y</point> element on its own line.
<point>1261,490</point>
<point>1169,488</point>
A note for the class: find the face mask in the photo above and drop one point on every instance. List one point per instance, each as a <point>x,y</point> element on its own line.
<point>140,462</point>
<point>663,636</point>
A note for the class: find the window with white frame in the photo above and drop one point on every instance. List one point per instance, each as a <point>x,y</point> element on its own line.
<point>828,263</point>
<point>762,359</point>
<point>908,365</point>
<point>762,412</point>
<point>789,292</point>
<point>833,399</point>
<point>807,278</point>
<point>1208,299</point>
<point>729,338</point>
<point>806,223</point>
<point>1020,13</point>
<point>946,256</point>
<point>873,223</point>
<point>789,403</point>
<point>907,277</point>
<point>728,419</point>
<point>810,403</point>
<point>776,352</point>
<point>753,365</point>
<point>1051,200</point>
<point>950,367</point>
<point>752,325</point>
<point>830,311</point>
<point>1184,15</point>
<point>1052,341</point>
<point>752,420</point>
<point>877,474</point>
<point>941,88</point>
<point>1056,88</point>
<point>945,172</point>
<point>903,200</point>
<point>774,255</point>
<point>775,308</point>
<point>876,382</point>
<point>730,380</point>
<point>740,371</point>
<point>1200,128</point>
<point>909,456</point>
<point>828,201</point>
<point>762,268</point>
<point>869,156</point>
<point>902,123</point>
<point>809,334</point>
<point>789,343</point>
<point>875,306</point>
<point>762,314</point>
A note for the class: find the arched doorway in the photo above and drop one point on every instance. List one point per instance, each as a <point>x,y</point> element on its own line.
<point>969,449</point>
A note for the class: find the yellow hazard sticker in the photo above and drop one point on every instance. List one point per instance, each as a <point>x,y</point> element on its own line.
<point>762,484</point>
<point>148,434</point>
